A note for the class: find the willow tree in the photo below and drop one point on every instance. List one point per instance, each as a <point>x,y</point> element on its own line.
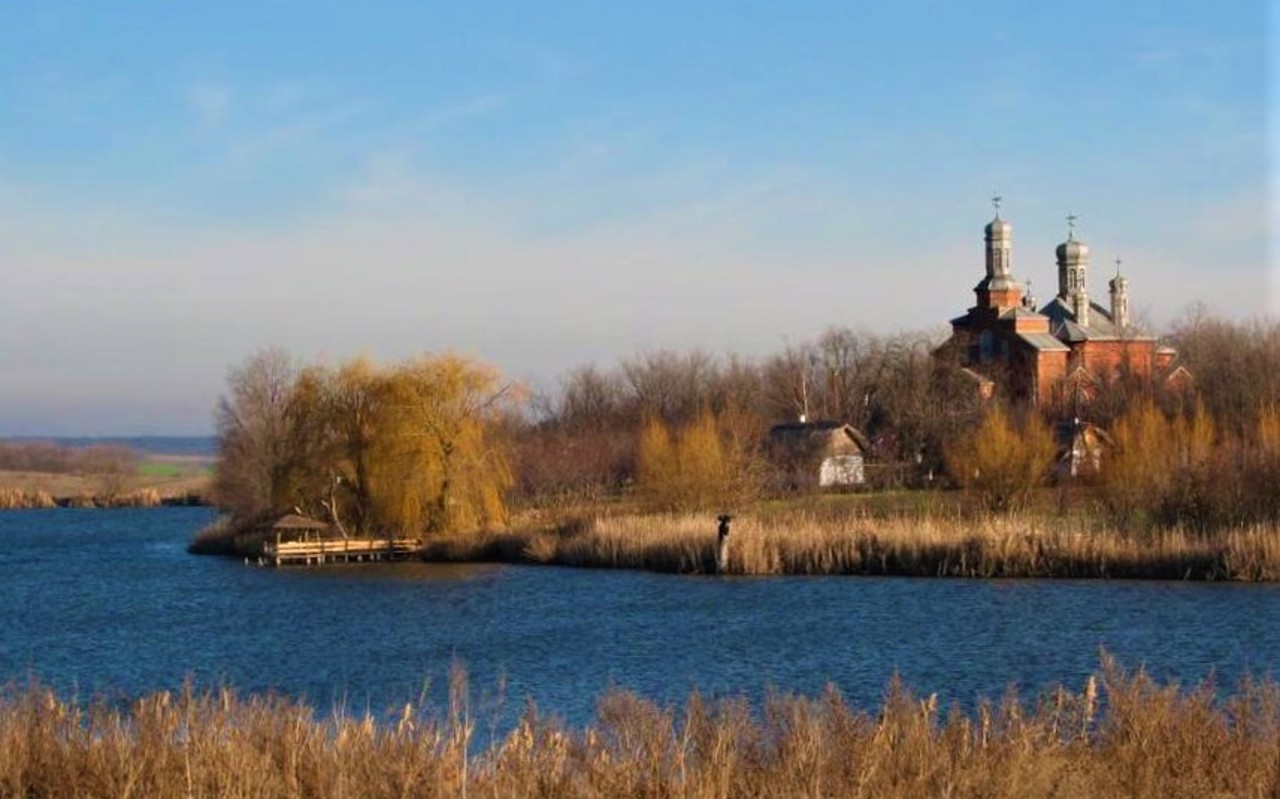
<point>351,409</point>
<point>435,464</point>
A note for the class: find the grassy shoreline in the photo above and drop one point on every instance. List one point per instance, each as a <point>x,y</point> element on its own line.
<point>159,481</point>
<point>1121,735</point>
<point>20,499</point>
<point>933,544</point>
<point>909,534</point>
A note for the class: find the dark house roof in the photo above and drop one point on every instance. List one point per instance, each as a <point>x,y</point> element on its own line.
<point>818,431</point>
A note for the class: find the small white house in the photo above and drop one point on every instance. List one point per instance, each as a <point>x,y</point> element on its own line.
<point>822,454</point>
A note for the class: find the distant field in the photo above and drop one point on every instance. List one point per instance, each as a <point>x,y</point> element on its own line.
<point>170,475</point>
<point>175,466</point>
<point>198,446</point>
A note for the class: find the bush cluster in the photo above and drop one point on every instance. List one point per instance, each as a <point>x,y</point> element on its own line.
<point>1192,471</point>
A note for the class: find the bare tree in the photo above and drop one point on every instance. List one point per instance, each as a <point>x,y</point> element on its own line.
<point>786,378</point>
<point>589,399</point>
<point>671,386</point>
<point>252,424</point>
<point>1235,366</point>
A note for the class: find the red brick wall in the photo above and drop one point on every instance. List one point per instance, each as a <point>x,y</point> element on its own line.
<point>1051,367</point>
<point>1105,359</point>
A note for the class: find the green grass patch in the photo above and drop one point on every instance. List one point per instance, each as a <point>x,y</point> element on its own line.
<point>162,470</point>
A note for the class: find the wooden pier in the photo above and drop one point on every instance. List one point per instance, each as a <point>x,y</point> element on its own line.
<point>295,540</point>
<point>350,550</point>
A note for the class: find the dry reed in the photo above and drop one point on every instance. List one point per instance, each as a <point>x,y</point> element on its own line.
<point>931,545</point>
<point>24,499</point>
<point>1121,735</point>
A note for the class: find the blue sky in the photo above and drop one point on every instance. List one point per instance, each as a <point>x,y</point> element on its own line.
<point>545,184</point>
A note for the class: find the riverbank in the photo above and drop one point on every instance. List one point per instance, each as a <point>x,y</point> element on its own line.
<point>21,499</point>
<point>804,541</point>
<point>161,481</point>
<point>909,534</point>
<point>1121,735</point>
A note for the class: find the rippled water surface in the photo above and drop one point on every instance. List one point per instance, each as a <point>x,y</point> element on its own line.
<point>109,602</point>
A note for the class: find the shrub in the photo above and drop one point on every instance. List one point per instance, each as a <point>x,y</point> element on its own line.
<point>1002,460</point>
<point>700,467</point>
<point>1170,471</point>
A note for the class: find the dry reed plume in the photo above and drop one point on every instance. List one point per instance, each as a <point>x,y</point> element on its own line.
<point>806,543</point>
<point>22,499</point>
<point>1121,735</point>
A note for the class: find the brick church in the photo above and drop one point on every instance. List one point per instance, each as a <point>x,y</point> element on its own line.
<point>1066,350</point>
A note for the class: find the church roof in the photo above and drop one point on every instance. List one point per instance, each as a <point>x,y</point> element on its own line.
<point>997,283</point>
<point>1019,313</point>
<point>1072,250</point>
<point>1043,342</point>
<point>1101,327</point>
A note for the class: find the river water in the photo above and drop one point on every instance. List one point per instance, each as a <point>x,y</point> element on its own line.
<point>109,603</point>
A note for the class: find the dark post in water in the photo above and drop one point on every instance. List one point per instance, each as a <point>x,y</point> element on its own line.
<point>722,544</point>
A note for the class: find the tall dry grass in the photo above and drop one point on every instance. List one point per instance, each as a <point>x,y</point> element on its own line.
<point>1120,735</point>
<point>812,543</point>
<point>21,499</point>
<point>24,499</point>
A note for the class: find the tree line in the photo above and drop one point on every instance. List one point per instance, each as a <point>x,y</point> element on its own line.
<point>581,439</point>
<point>442,443</point>
<point>51,458</point>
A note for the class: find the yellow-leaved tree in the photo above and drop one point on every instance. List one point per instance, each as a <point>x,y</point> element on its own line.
<point>657,470</point>
<point>435,465</point>
<point>702,466</point>
<point>1002,460</point>
<point>1261,471</point>
<point>334,424</point>
<point>1161,468</point>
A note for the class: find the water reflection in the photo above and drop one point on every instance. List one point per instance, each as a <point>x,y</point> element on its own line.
<point>397,571</point>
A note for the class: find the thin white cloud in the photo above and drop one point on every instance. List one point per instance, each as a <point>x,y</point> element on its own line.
<point>544,65</point>
<point>248,147</point>
<point>1244,216</point>
<point>242,130</point>
<point>448,115</point>
<point>210,103</point>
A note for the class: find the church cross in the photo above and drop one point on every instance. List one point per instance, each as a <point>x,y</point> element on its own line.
<point>1118,262</point>
<point>996,199</point>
